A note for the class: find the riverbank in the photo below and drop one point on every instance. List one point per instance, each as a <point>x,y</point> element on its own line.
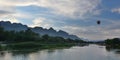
<point>34,46</point>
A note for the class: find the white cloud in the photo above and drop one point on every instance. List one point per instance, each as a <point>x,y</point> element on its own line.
<point>17,2</point>
<point>68,8</point>
<point>71,8</point>
<point>117,10</point>
<point>41,22</point>
<point>12,19</point>
<point>38,21</point>
<point>21,15</point>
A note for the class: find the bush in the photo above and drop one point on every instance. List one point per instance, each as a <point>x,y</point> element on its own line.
<point>24,45</point>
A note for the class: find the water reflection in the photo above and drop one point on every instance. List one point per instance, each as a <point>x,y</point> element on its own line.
<point>83,44</point>
<point>81,52</point>
<point>22,52</point>
<point>2,53</point>
<point>113,49</point>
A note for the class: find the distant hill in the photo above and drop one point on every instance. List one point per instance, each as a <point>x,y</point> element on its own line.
<point>8,26</point>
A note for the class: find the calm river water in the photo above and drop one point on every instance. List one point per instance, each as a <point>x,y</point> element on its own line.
<point>90,52</point>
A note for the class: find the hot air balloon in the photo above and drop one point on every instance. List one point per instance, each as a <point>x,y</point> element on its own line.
<point>98,22</point>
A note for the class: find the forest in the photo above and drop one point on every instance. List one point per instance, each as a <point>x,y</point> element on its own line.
<point>28,39</point>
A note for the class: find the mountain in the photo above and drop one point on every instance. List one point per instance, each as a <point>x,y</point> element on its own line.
<point>8,26</point>
<point>12,26</point>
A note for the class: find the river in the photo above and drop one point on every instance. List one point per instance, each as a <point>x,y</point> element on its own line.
<point>90,52</point>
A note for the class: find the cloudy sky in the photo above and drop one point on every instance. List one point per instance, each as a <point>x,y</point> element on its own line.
<point>76,17</point>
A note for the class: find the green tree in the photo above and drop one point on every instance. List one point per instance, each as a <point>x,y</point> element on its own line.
<point>45,37</point>
<point>2,34</point>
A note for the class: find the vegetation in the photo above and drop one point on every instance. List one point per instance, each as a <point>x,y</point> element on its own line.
<point>29,40</point>
<point>0,47</point>
<point>115,41</point>
<point>112,43</point>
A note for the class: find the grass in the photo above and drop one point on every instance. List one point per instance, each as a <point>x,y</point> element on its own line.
<point>36,46</point>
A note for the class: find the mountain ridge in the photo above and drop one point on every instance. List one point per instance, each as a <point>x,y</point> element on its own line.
<point>8,26</point>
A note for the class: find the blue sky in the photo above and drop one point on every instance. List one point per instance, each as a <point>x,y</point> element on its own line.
<point>76,17</point>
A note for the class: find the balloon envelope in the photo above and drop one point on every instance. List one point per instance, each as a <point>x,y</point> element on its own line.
<point>98,22</point>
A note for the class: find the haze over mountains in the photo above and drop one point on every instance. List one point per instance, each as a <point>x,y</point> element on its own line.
<point>8,26</point>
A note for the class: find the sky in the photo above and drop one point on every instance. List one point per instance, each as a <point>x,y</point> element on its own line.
<point>76,17</point>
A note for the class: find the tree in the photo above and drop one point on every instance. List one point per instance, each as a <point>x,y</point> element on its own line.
<point>2,34</point>
<point>45,37</point>
<point>112,41</point>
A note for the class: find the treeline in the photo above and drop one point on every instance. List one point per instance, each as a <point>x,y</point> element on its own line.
<point>113,43</point>
<point>28,35</point>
